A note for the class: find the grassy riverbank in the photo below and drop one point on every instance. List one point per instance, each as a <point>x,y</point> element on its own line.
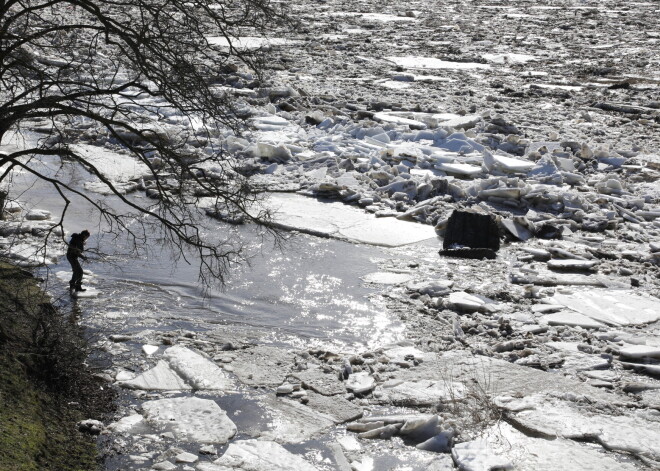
<point>45,387</point>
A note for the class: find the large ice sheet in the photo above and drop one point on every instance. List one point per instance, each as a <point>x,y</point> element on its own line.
<point>196,370</point>
<point>190,419</point>
<point>627,433</point>
<point>540,454</point>
<point>416,62</point>
<point>619,308</point>
<point>161,377</point>
<point>112,165</point>
<point>258,455</point>
<point>337,220</point>
<point>478,456</point>
<point>420,393</point>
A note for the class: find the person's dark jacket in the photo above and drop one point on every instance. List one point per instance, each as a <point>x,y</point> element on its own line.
<point>76,247</point>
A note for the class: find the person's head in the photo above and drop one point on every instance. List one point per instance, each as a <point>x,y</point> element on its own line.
<point>85,234</point>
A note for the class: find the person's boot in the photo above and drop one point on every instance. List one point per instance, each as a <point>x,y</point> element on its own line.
<point>80,288</point>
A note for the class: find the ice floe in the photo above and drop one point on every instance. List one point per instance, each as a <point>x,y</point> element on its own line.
<point>190,419</point>
<point>333,219</point>
<point>619,309</point>
<point>257,455</point>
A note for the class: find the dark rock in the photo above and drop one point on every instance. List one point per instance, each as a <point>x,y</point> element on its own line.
<point>473,230</point>
<point>548,231</point>
<point>477,254</point>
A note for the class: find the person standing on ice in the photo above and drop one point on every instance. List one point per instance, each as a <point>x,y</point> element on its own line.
<point>74,252</point>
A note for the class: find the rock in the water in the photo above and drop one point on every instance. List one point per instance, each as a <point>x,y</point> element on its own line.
<point>91,426</point>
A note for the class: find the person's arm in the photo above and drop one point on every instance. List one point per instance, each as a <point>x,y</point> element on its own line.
<point>77,247</point>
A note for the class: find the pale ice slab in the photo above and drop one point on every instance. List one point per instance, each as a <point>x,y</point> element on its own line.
<point>508,58</point>
<point>571,318</point>
<point>248,42</point>
<point>160,378</point>
<point>373,16</point>
<point>127,424</point>
<point>360,383</point>
<point>539,454</point>
<point>417,62</point>
<point>640,351</point>
<point>199,372</point>
<point>478,456</point>
<point>112,165</point>
<point>509,164</point>
<point>387,278</point>
<point>386,117</point>
<point>560,264</point>
<point>190,419</point>
<point>459,169</point>
<point>619,308</point>
<point>90,293</point>
<point>149,349</point>
<point>293,422</point>
<point>420,393</point>
<point>465,302</point>
<point>258,455</point>
<point>451,120</point>
<point>334,219</point>
<point>403,353</point>
<point>627,433</point>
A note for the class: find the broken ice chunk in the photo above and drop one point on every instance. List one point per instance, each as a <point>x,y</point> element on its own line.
<point>572,264</point>
<point>161,377</point>
<point>478,456</point>
<point>190,419</point>
<point>360,383</point>
<point>258,455</point>
<point>199,372</point>
<point>571,318</point>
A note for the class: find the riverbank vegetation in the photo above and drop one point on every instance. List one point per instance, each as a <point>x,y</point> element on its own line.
<point>45,385</point>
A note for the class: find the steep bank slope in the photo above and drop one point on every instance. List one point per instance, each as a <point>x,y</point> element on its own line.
<point>44,387</point>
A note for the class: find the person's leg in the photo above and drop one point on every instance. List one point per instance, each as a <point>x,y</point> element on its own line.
<point>73,262</point>
<point>76,279</point>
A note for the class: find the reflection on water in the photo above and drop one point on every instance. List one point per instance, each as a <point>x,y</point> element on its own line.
<point>308,293</point>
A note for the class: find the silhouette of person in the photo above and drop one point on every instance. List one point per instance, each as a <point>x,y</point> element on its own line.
<point>74,252</point>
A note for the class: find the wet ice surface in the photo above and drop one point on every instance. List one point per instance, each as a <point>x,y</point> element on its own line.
<point>545,358</point>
